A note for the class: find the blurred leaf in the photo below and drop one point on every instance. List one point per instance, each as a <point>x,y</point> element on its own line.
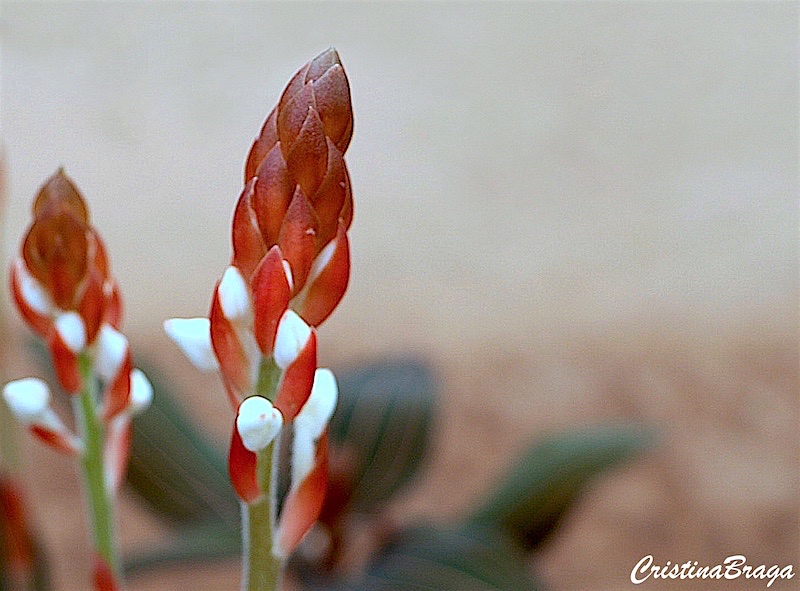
<point>174,468</point>
<point>192,544</point>
<point>539,490</point>
<point>472,558</point>
<point>380,433</point>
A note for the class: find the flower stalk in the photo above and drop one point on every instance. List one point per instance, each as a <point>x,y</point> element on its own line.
<point>289,270</point>
<point>99,501</point>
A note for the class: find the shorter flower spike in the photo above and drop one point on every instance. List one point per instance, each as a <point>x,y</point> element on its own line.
<point>193,336</point>
<point>29,401</point>
<point>258,423</point>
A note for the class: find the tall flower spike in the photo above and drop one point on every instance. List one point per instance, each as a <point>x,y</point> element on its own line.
<point>289,270</point>
<point>62,285</point>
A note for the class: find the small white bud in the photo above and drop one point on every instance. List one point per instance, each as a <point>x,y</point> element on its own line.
<point>112,346</point>
<point>311,421</point>
<point>234,296</point>
<point>258,423</point>
<point>32,291</point>
<point>318,409</point>
<point>293,334</point>
<point>141,392</point>
<point>72,330</point>
<point>193,336</point>
<point>28,399</point>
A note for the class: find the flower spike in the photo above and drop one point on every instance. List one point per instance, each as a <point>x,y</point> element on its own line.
<point>62,286</point>
<point>289,269</point>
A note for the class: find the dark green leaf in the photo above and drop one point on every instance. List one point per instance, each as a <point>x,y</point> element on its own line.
<point>174,468</point>
<point>380,432</point>
<point>539,490</point>
<point>195,543</point>
<point>472,558</point>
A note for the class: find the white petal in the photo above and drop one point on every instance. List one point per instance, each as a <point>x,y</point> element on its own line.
<point>193,336</point>
<point>72,330</point>
<point>32,291</point>
<point>310,423</point>
<point>303,452</point>
<point>258,423</point>
<point>112,347</point>
<point>28,399</point>
<point>293,334</point>
<point>318,409</point>
<point>234,296</point>
<point>141,392</point>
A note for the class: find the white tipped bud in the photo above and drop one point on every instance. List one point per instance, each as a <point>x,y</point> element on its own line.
<point>258,423</point>
<point>311,421</point>
<point>112,347</point>
<point>141,392</point>
<point>32,291</point>
<point>234,296</point>
<point>293,334</point>
<point>72,330</point>
<point>318,409</point>
<point>28,399</point>
<point>193,336</point>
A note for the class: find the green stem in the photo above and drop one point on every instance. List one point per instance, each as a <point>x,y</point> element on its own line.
<point>262,569</point>
<point>99,501</point>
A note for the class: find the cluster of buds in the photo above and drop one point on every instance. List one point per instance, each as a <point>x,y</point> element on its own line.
<point>63,288</point>
<point>289,269</point>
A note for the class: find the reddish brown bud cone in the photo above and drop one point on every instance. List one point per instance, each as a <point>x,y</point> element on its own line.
<point>298,189</point>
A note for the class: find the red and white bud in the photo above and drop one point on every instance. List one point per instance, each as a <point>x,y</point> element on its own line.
<point>234,296</point>
<point>292,336</point>
<point>29,401</point>
<point>112,349</point>
<point>327,280</point>
<point>193,336</point>
<point>32,299</point>
<point>72,331</point>
<point>119,432</point>
<point>311,422</point>
<point>309,464</point>
<point>258,423</point>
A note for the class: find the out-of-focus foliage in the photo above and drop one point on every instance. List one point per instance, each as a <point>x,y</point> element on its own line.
<point>549,477</point>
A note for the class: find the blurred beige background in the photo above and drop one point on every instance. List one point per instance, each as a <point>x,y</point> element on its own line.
<point>577,211</point>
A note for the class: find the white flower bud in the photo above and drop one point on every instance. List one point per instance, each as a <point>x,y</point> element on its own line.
<point>258,423</point>
<point>193,336</point>
<point>293,334</point>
